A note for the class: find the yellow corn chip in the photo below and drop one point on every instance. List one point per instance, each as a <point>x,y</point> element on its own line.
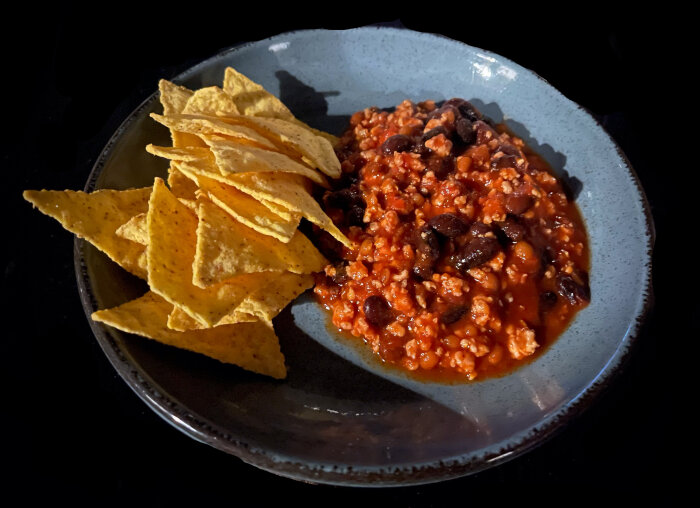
<point>172,236</point>
<point>252,346</point>
<point>253,100</point>
<point>202,125</point>
<point>315,149</point>
<point>232,157</point>
<point>181,321</point>
<point>180,185</point>
<point>174,99</point>
<point>246,209</point>
<point>211,101</point>
<point>226,249</point>
<point>281,211</point>
<point>135,229</point>
<point>285,189</point>
<point>187,153</point>
<point>267,303</point>
<point>96,217</point>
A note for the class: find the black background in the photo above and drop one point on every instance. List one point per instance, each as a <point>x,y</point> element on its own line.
<point>76,432</point>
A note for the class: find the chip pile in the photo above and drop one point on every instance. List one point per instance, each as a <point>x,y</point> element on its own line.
<point>218,244</point>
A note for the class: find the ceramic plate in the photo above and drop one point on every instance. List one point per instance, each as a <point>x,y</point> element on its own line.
<point>337,418</point>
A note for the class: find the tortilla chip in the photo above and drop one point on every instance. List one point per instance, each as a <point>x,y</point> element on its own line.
<point>211,101</point>
<point>281,211</point>
<point>180,185</point>
<point>252,346</point>
<point>202,125</point>
<point>226,249</point>
<point>187,153</point>
<point>315,149</point>
<point>135,229</point>
<point>245,209</point>
<point>253,100</point>
<point>96,217</point>
<point>285,189</point>
<point>270,301</point>
<point>172,236</point>
<point>174,99</point>
<point>232,157</point>
<point>181,321</point>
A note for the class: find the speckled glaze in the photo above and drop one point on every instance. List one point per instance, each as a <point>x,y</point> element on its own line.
<point>340,418</point>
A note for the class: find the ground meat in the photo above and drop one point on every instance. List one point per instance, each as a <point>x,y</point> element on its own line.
<point>468,258</point>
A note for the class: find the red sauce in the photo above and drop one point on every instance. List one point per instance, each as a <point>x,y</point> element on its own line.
<point>467,257</point>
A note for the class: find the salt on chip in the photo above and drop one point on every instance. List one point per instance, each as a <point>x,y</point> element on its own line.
<point>179,320</point>
<point>96,216</point>
<point>202,125</point>
<point>232,157</point>
<point>246,209</point>
<point>226,249</point>
<point>252,346</point>
<point>210,101</point>
<point>172,241</point>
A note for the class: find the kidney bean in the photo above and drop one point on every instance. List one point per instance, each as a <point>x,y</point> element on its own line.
<point>466,109</point>
<point>453,314</point>
<point>518,204</point>
<point>432,133</point>
<point>479,229</point>
<point>397,143</point>
<point>465,130</point>
<point>574,291</point>
<point>449,225</point>
<point>355,216</point>
<point>512,230</point>
<point>428,243</point>
<point>341,274</point>
<point>507,161</point>
<point>377,311</point>
<point>441,166</point>
<point>475,253</point>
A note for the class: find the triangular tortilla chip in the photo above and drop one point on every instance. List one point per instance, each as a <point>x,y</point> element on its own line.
<point>210,101</point>
<point>226,249</point>
<point>172,229</point>
<point>245,209</point>
<point>96,217</point>
<point>202,125</point>
<point>180,185</point>
<point>174,99</point>
<point>285,189</point>
<point>267,303</point>
<point>252,346</point>
<point>185,153</point>
<point>181,321</point>
<point>252,99</point>
<point>135,229</point>
<point>315,149</point>
<point>233,157</point>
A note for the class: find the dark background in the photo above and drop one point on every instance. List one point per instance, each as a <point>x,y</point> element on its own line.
<point>76,432</point>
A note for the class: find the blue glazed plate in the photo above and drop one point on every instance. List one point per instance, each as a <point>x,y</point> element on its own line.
<point>340,418</point>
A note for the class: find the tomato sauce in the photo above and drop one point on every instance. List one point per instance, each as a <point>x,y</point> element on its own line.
<point>468,258</point>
